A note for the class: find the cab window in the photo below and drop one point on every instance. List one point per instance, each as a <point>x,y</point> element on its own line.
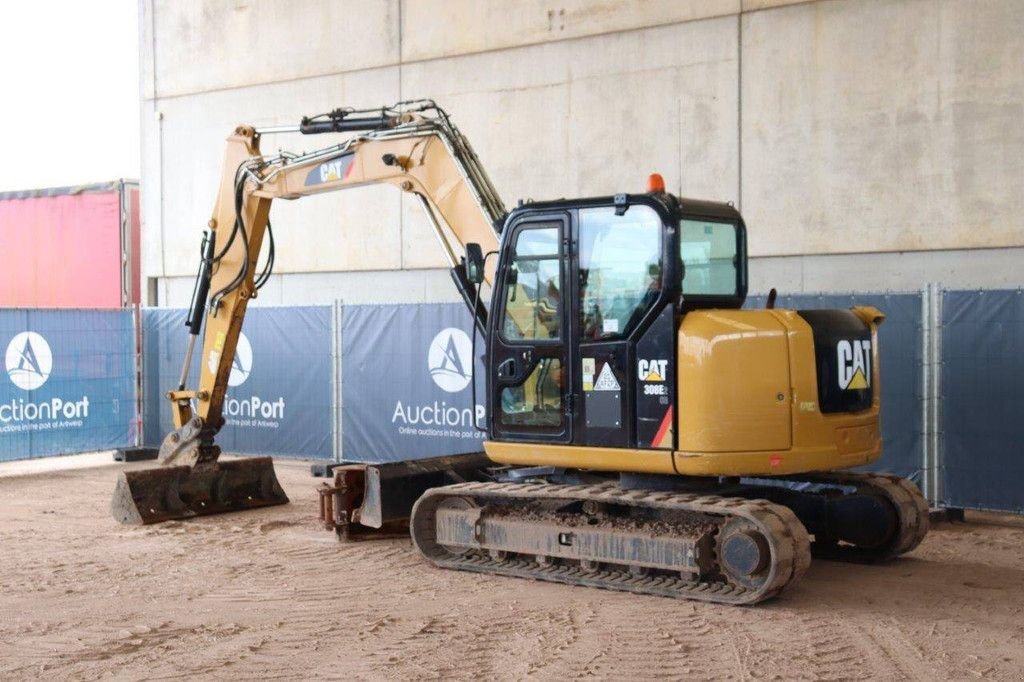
<point>709,251</point>
<point>533,287</point>
<point>620,269</point>
<point>538,400</point>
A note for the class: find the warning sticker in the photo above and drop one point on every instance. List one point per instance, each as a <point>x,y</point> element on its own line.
<point>588,374</point>
<point>606,380</point>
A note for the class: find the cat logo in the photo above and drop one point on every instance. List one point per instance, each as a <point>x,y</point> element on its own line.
<point>651,370</point>
<point>330,170</point>
<point>854,362</point>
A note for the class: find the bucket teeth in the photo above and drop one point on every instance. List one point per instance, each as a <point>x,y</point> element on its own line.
<point>181,492</point>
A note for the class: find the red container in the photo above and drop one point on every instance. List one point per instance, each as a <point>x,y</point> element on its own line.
<point>70,247</point>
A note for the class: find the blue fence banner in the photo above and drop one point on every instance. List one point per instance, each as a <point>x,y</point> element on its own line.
<point>70,381</point>
<point>279,393</point>
<point>900,362</point>
<point>982,400</point>
<point>407,374</point>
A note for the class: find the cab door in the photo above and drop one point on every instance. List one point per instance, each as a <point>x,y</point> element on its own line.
<point>625,290</point>
<point>530,380</point>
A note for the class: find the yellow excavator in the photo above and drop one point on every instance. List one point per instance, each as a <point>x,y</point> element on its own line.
<point>644,433</point>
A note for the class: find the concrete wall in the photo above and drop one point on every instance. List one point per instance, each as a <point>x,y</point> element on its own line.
<point>871,144</point>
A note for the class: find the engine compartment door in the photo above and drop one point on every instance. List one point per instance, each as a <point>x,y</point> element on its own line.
<point>734,382</point>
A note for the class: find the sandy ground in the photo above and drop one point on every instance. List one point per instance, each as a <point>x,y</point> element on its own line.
<point>267,594</point>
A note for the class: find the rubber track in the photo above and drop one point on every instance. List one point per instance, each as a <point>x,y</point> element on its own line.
<point>910,506</point>
<point>788,540</point>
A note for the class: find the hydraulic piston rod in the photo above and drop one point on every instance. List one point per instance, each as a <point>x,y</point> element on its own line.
<point>194,321</point>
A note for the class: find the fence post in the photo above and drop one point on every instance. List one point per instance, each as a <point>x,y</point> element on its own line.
<point>938,464</point>
<point>931,389</point>
<point>926,389</point>
<point>137,365</point>
<point>337,315</point>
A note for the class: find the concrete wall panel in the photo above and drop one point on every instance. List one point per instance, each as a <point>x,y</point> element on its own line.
<point>896,271</point>
<point>150,192</point>
<point>353,230</point>
<point>419,245</point>
<point>658,100</point>
<point>882,125</point>
<point>516,120</point>
<point>755,5</point>
<point>886,128</point>
<point>208,44</point>
<point>446,28</point>
<point>596,115</point>
<point>147,53</point>
<point>981,60</point>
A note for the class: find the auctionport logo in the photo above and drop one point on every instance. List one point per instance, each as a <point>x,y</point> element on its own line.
<point>450,360</point>
<point>251,410</point>
<point>29,361</point>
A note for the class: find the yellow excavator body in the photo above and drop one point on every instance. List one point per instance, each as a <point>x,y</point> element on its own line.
<point>747,405</point>
<point>644,432</point>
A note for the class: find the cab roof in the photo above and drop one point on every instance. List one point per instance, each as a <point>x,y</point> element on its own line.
<point>681,205</point>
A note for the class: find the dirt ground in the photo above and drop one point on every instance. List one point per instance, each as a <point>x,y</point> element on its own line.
<point>268,594</point>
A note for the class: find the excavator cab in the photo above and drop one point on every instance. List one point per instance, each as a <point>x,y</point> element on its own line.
<point>586,304</point>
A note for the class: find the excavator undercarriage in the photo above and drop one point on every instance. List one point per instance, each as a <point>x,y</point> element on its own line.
<point>722,540</point>
<point>727,550</point>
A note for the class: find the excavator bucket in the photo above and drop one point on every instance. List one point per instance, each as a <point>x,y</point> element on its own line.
<point>182,492</point>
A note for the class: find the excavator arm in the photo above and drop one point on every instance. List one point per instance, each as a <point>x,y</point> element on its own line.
<point>413,146</point>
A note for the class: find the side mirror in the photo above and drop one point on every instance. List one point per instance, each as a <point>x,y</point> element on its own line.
<point>474,263</point>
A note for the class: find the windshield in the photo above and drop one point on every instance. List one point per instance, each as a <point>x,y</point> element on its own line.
<point>620,269</point>
<point>709,252</point>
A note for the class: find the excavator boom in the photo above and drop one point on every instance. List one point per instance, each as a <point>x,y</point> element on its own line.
<point>413,146</point>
